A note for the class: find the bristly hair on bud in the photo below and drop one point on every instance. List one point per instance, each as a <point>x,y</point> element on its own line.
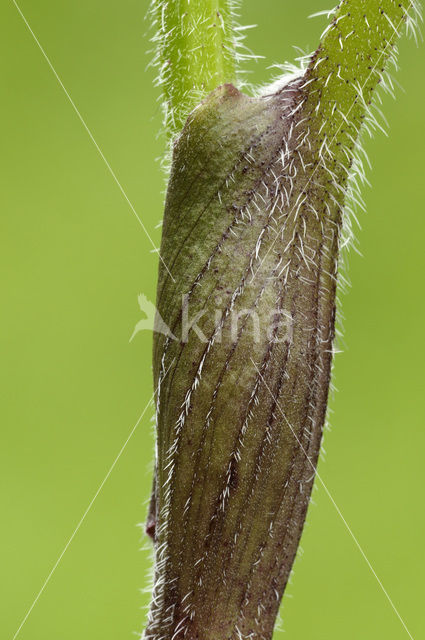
<point>258,210</point>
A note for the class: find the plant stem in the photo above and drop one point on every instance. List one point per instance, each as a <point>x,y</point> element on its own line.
<point>350,62</point>
<point>195,53</point>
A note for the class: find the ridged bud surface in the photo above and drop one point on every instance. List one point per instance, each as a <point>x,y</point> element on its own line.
<point>242,403</point>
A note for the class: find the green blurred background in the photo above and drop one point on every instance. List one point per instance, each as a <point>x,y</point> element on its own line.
<point>73,260</point>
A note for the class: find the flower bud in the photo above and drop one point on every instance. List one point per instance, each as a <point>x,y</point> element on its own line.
<point>252,231</point>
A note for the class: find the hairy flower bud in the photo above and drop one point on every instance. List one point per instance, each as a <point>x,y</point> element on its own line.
<point>252,232</point>
<point>240,412</point>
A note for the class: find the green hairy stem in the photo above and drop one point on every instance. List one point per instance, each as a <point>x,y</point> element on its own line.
<point>255,217</point>
<point>196,52</point>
